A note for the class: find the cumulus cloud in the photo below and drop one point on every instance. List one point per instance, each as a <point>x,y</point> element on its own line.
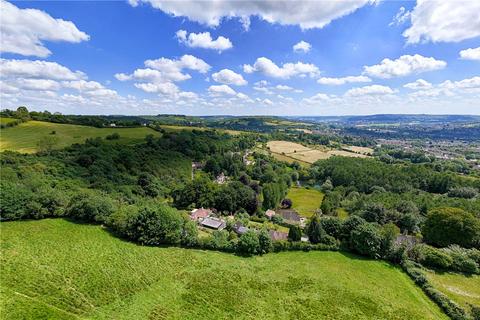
<point>404,66</point>
<point>419,84</point>
<point>373,90</point>
<point>228,76</point>
<point>343,80</point>
<point>304,13</point>
<point>221,90</point>
<point>203,40</point>
<point>48,83</point>
<point>318,98</point>
<point>286,71</point>
<point>268,102</point>
<point>161,74</point>
<point>443,21</point>
<point>302,46</point>
<point>450,88</point>
<point>470,54</point>
<point>37,69</point>
<point>23,31</point>
<point>283,87</point>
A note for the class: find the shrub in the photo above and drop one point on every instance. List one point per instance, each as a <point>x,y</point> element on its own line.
<point>156,225</point>
<point>113,136</point>
<point>286,203</point>
<point>248,243</point>
<point>294,233</point>
<point>89,207</point>
<point>332,226</point>
<point>446,226</point>
<point>314,230</point>
<point>463,192</point>
<point>434,258</point>
<point>264,241</point>
<point>367,240</point>
<point>461,259</point>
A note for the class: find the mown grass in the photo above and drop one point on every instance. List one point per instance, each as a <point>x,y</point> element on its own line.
<point>463,290</point>
<point>24,137</point>
<point>305,201</point>
<point>56,269</point>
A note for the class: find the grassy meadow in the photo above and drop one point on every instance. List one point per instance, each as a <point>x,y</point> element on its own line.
<point>462,289</point>
<point>305,201</point>
<point>56,269</point>
<point>24,137</point>
<point>4,120</point>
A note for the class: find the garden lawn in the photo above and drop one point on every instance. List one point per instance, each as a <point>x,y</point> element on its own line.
<point>25,136</point>
<point>56,269</point>
<point>305,201</point>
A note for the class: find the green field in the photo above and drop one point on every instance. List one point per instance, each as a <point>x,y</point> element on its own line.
<point>305,201</point>
<point>462,289</point>
<point>25,136</point>
<point>4,120</point>
<point>56,269</point>
<point>190,128</point>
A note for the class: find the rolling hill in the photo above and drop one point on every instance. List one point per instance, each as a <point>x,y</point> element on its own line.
<point>57,269</point>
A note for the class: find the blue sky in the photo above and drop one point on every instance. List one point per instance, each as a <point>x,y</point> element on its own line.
<point>433,65</point>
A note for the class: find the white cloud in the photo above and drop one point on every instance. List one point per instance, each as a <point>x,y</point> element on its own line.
<point>451,89</point>
<point>306,14</point>
<point>404,66</point>
<point>203,40</point>
<point>444,21</point>
<point>160,74</point>
<point>302,46</point>
<point>419,84</point>
<point>24,30</point>
<point>37,69</point>
<point>401,17</point>
<point>372,90</point>
<point>287,70</point>
<point>221,90</point>
<point>164,88</point>
<point>343,80</point>
<point>318,98</point>
<point>283,87</point>
<point>228,76</point>
<point>470,54</point>
<point>267,102</point>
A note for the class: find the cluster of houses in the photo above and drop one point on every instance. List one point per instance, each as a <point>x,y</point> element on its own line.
<point>206,218</point>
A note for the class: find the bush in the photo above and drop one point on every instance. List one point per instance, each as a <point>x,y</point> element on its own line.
<point>286,203</point>
<point>89,207</point>
<point>462,259</point>
<point>248,243</point>
<point>294,233</point>
<point>446,226</point>
<point>314,230</point>
<point>463,192</point>
<point>367,240</point>
<point>113,136</point>
<point>332,226</point>
<point>156,225</point>
<point>434,258</point>
<point>264,241</point>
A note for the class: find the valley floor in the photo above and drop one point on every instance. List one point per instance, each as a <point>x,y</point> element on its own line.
<point>54,268</point>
